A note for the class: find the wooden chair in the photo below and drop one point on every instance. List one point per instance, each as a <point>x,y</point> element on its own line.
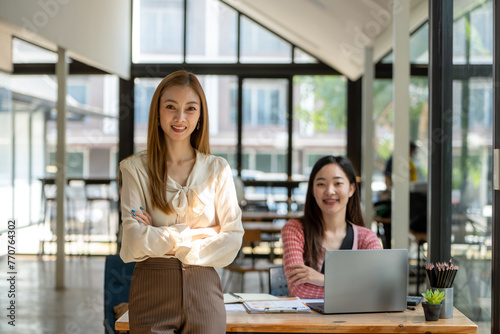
<point>251,238</point>
<point>278,285</point>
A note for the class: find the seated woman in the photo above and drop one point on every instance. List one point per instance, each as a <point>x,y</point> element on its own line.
<point>332,220</point>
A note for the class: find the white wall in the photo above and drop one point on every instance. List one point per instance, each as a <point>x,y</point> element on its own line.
<point>95,32</point>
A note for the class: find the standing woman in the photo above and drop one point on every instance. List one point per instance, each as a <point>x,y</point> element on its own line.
<point>332,220</point>
<point>180,217</point>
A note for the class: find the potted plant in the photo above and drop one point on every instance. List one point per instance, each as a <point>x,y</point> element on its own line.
<point>432,306</point>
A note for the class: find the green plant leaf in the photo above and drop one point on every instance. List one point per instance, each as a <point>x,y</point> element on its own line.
<point>433,297</point>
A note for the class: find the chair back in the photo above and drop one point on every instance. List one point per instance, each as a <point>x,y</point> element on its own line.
<point>117,277</point>
<point>97,189</point>
<point>277,281</point>
<point>251,237</point>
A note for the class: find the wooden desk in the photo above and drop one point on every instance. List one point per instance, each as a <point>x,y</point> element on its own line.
<point>397,322</point>
<point>268,216</point>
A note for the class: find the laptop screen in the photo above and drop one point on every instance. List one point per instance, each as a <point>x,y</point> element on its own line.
<point>359,281</point>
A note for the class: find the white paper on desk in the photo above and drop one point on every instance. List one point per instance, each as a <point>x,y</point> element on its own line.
<point>235,307</point>
<point>293,304</point>
<point>247,297</point>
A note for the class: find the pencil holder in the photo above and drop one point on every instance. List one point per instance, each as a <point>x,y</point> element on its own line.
<point>447,310</point>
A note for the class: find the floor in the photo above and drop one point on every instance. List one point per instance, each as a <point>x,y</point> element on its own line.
<point>42,309</point>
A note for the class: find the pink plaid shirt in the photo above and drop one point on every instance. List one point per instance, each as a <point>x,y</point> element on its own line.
<point>292,236</point>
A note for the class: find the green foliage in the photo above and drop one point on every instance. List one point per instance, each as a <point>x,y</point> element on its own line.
<point>433,297</point>
<point>328,95</point>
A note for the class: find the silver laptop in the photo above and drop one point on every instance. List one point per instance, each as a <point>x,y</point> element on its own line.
<point>359,281</point>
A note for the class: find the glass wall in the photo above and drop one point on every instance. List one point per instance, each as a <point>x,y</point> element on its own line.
<point>419,47</point>
<point>320,120</point>
<point>157,31</point>
<point>212,33</point>
<point>6,151</point>
<point>29,115</point>
<point>221,92</point>
<point>384,127</point>
<point>259,45</point>
<point>472,159</point>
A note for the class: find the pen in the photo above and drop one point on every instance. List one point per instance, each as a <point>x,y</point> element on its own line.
<point>235,295</point>
<point>410,308</point>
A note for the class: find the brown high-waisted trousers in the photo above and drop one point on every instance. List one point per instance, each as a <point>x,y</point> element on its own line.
<point>167,296</point>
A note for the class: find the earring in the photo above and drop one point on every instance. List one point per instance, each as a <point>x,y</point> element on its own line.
<point>158,123</point>
<point>198,126</point>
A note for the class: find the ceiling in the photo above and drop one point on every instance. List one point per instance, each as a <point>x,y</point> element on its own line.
<point>333,31</point>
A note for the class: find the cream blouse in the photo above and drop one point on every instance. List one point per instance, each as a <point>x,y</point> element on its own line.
<point>207,200</point>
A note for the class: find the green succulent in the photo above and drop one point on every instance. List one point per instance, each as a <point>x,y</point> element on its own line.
<point>433,297</point>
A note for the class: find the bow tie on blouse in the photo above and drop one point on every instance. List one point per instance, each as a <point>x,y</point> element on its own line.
<point>184,199</point>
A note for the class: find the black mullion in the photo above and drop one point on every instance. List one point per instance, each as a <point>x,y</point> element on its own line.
<point>247,70</point>
<point>440,129</point>
<point>184,52</point>
<point>290,127</point>
<point>238,39</point>
<point>495,261</point>
<point>290,139</point>
<point>354,114</point>
<point>239,153</point>
<point>126,119</point>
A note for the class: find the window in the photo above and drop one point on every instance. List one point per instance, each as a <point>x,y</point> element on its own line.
<point>78,92</point>
<point>302,57</point>
<point>211,32</point>
<point>265,130</point>
<point>264,102</point>
<point>419,47</point>
<point>259,45</point>
<point>158,31</point>
<point>74,164</point>
<point>319,120</point>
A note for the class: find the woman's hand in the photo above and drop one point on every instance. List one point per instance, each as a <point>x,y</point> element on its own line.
<point>301,273</point>
<point>142,217</point>
<point>206,232</point>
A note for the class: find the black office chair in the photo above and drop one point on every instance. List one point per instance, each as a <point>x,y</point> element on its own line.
<point>117,277</point>
<point>278,285</point>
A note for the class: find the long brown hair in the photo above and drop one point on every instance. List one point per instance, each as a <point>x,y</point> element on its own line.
<point>312,220</point>
<point>156,148</point>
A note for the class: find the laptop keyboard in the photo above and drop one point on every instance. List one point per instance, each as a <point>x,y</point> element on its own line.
<point>318,307</point>
<point>413,300</point>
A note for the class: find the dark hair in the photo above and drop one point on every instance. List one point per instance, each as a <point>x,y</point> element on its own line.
<point>313,218</point>
<point>413,146</point>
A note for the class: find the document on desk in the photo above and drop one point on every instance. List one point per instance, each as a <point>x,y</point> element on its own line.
<point>232,297</point>
<point>282,305</point>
